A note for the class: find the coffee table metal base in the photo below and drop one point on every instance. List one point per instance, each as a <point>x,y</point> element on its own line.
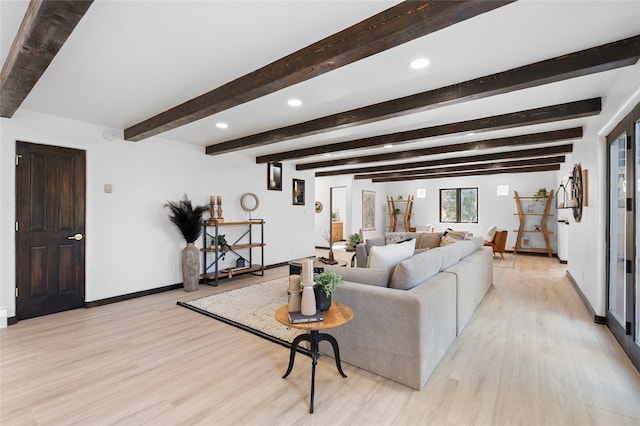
<point>314,338</point>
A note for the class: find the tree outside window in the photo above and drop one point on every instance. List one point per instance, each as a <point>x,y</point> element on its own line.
<point>459,205</point>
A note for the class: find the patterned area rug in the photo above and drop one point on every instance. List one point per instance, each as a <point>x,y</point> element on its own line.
<point>252,309</point>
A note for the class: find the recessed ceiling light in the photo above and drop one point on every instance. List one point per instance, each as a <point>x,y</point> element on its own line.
<point>388,145</point>
<point>418,64</point>
<point>222,125</point>
<point>294,102</point>
<point>471,133</point>
<point>328,154</point>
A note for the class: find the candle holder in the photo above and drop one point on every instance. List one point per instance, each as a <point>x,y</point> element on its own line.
<point>295,294</point>
<point>220,218</point>
<point>212,209</point>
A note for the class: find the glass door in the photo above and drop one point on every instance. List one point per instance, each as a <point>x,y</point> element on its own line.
<point>618,231</point>
<point>635,347</point>
<point>623,266</point>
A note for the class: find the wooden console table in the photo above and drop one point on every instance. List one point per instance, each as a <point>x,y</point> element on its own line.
<point>337,231</point>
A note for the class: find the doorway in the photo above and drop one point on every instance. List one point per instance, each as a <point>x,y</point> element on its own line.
<point>338,206</point>
<point>50,228</point>
<point>623,266</point>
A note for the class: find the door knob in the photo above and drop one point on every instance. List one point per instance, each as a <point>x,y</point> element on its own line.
<point>76,237</point>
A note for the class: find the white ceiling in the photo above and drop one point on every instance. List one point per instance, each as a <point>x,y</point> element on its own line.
<point>127,61</point>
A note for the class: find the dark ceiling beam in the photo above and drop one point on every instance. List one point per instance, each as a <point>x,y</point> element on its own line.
<point>557,159</point>
<point>44,29</point>
<point>511,141</point>
<point>395,26</point>
<point>531,169</point>
<point>506,155</point>
<point>548,114</point>
<point>597,59</point>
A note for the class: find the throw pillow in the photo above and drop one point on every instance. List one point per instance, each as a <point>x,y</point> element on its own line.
<point>446,240</point>
<point>429,240</point>
<point>388,256</point>
<point>459,235</point>
<point>396,237</point>
<point>414,270</point>
<point>490,234</point>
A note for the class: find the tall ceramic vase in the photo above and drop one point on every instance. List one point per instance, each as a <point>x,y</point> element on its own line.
<point>190,267</point>
<point>308,304</point>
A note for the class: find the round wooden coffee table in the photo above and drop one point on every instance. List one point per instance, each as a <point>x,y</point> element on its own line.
<point>339,314</point>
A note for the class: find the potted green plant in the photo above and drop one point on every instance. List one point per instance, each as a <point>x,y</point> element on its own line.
<point>395,213</point>
<point>221,245</point>
<point>541,195</point>
<point>352,241</point>
<point>188,219</point>
<point>325,285</point>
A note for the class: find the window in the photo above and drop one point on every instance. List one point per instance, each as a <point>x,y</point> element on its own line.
<point>459,205</point>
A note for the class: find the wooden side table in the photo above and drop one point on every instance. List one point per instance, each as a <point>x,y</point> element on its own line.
<point>339,314</point>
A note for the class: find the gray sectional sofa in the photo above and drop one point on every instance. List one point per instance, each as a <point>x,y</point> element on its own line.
<point>406,317</point>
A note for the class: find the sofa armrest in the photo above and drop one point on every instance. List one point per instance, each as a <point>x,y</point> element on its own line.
<point>361,255</point>
<point>362,250</point>
<point>398,334</point>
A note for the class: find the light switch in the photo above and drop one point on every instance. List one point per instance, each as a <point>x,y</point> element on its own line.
<point>108,188</point>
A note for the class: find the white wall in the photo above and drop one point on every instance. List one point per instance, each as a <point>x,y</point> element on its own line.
<point>587,239</point>
<point>353,220</point>
<point>130,244</point>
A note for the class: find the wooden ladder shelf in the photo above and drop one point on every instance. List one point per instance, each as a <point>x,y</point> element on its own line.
<point>543,225</point>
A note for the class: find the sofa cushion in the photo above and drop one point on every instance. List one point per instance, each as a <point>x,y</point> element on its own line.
<point>369,276</point>
<point>390,255</point>
<point>414,270</point>
<point>429,240</point>
<point>450,254</point>
<point>372,242</point>
<point>468,247</point>
<point>478,242</point>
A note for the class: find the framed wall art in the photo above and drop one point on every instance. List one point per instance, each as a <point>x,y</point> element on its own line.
<point>274,176</point>
<point>368,210</point>
<point>298,192</point>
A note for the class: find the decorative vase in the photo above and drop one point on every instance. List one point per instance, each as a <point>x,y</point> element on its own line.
<point>190,267</point>
<point>323,302</point>
<point>295,300</point>
<point>294,292</point>
<point>308,303</point>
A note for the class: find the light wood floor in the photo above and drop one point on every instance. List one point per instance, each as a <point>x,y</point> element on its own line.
<point>531,355</point>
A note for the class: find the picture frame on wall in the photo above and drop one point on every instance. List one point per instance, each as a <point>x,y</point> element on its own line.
<point>368,210</point>
<point>274,176</point>
<point>298,192</point>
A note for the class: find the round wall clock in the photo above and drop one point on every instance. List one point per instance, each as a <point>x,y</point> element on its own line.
<point>577,191</point>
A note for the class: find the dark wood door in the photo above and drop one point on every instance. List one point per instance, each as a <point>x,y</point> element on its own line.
<point>50,244</point>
